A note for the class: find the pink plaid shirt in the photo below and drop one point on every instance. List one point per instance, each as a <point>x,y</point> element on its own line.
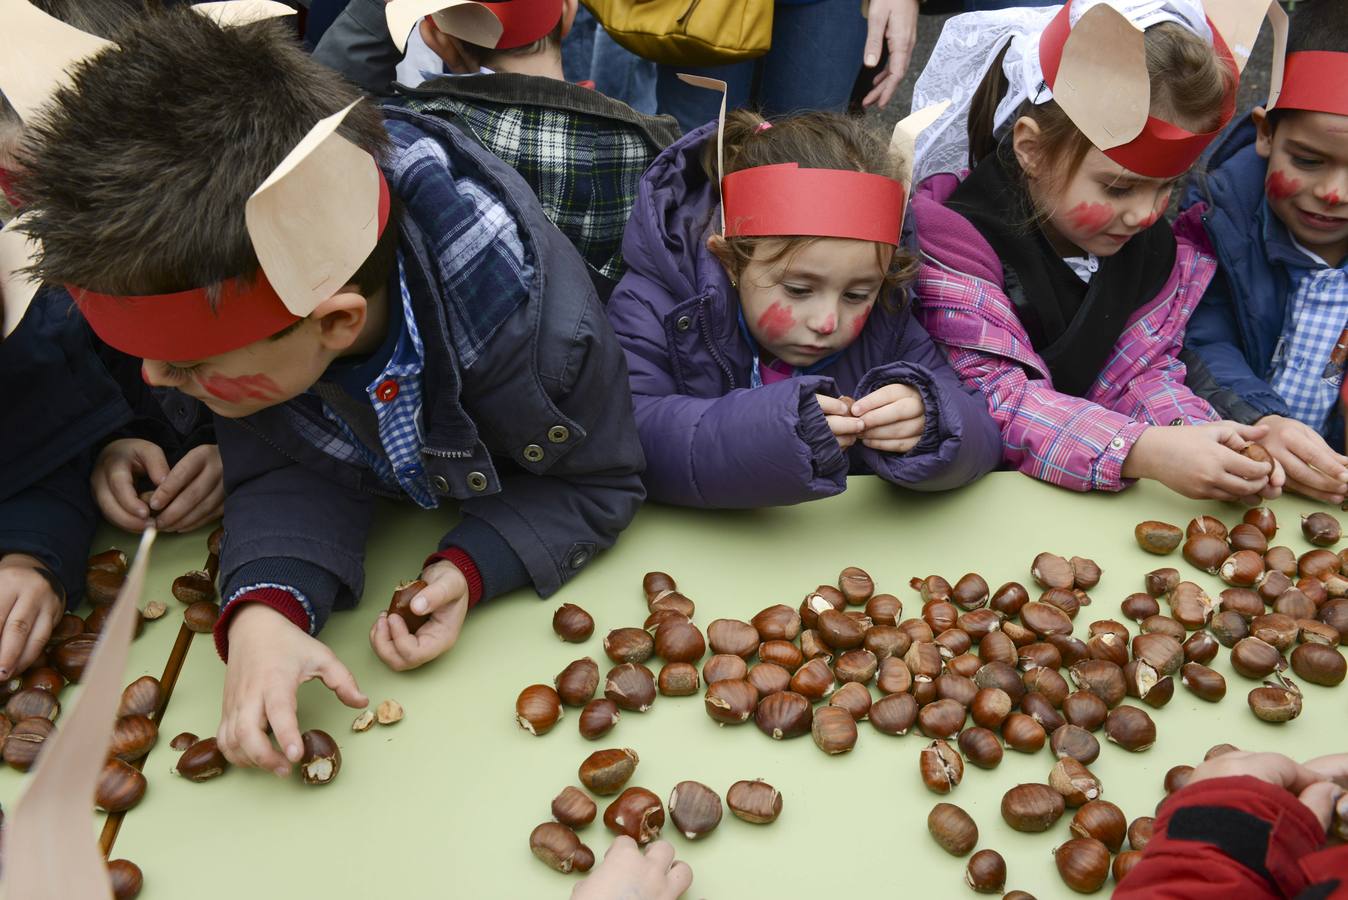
<point>1075,442</point>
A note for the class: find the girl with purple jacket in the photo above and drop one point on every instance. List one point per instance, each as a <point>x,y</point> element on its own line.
<point>748,329</point>
<point>1049,274</point>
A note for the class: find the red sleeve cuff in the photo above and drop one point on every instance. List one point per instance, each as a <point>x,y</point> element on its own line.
<point>282,601</point>
<point>464,563</point>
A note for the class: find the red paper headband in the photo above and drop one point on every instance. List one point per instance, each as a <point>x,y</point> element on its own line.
<point>1161,149</point>
<point>186,325</point>
<point>1315,80</point>
<point>523,21</point>
<point>785,199</point>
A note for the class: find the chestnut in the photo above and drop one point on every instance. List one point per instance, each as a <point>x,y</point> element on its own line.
<point>1214,751</point>
<point>111,560</point>
<point>970,592</point>
<point>1157,537</point>
<point>1262,517</point>
<point>32,703</point>
<point>558,847</point>
<point>694,808</point>
<point>1084,709</point>
<point>1229,628</point>
<point>854,698</point>
<point>1319,664</point>
<point>857,666</point>
<point>24,742</point>
<point>754,801</point>
<point>966,665</point>
<point>1040,709</point>
<point>980,746</point>
<point>132,738</point>
<point>570,622</point>
<point>1130,728</point>
<point>71,656</point>
<point>606,771</point>
<point>884,609</point>
<point>1190,605</point>
<point>141,697</point>
<point>990,707</point>
<point>1247,537</point>
<point>672,601</point>
<point>1202,682</point>
<point>1159,582</point>
<point>1038,655</point>
<point>1271,585</point>
<point>1108,646</point>
<point>1139,606</point>
<point>856,585</point>
<point>1052,571</point>
<point>202,761</point>
<point>1281,559</point>
<point>1321,529</point>
<point>126,879</point>
<point>941,719</point>
<point>183,740</point>
<point>785,714</point>
<point>814,680</point>
<point>923,661</point>
<point>194,587</point>
<point>678,642</point>
<point>1075,742</point>
<point>768,678</point>
<point>777,623</point>
<point>1295,604</point>
<point>201,616</point>
<point>1205,525</point>
<point>1139,832</point>
<point>785,654</point>
<point>101,586</point>
<point>1206,552</point>
<point>1319,564</point>
<point>1001,676</point>
<point>661,617</point>
<point>598,717</point>
<point>680,679</point>
<point>1065,600</point>
<point>941,767</point>
<point>629,645</point>
<point>986,872</point>
<point>655,583</point>
<point>631,686</point>
<point>1100,677</point>
<point>1009,598</point>
<point>1085,572</point>
<point>1275,628</point>
<point>1255,658</point>
<point>1045,619</point>
<point>1200,647</point>
<point>839,630</point>
<point>953,642</point>
<point>733,637</point>
<point>636,813</point>
<point>933,587</point>
<point>952,828</point>
<point>1175,778</point>
<point>894,713</point>
<point>886,641</point>
<point>1124,862</point>
<point>812,646</point>
<point>1242,568</point>
<point>1077,784</point>
<point>1083,864</point>
<point>997,647</point>
<point>120,787</point>
<point>364,721</point>
<point>1032,807</point>
<point>1273,703</point>
<point>731,702</point>
<point>1334,613</point>
<point>577,683</point>
<point>961,689</point>
<point>723,666</point>
<point>918,631</point>
<point>401,605</point>
<point>573,808</point>
<point>1317,632</point>
<point>834,730</point>
<point>321,759</point>
<point>538,708</point>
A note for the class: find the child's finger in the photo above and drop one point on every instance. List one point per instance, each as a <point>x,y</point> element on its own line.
<point>253,747</point>
<point>13,638</point>
<point>679,880</point>
<point>899,410</point>
<point>37,636</point>
<point>900,430</point>
<point>661,855</point>
<point>122,487</point>
<point>283,715</point>
<point>843,425</point>
<point>443,590</point>
<point>893,446</point>
<point>176,481</point>
<point>341,682</point>
<point>1320,798</point>
<point>1244,467</point>
<point>153,461</point>
<point>382,642</point>
<point>832,406</point>
<point>622,844</point>
<point>1331,767</point>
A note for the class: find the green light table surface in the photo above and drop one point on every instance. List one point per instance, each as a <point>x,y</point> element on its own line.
<point>441,804</point>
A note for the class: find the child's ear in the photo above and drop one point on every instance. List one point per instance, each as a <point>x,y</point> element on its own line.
<point>341,318</point>
<point>1263,140</point>
<point>1025,141</point>
<point>569,8</point>
<point>448,48</point>
<point>720,249</point>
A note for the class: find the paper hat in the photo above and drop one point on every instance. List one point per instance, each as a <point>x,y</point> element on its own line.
<point>786,199</point>
<point>1097,71</point>
<point>1312,80</point>
<point>50,853</point>
<point>501,25</point>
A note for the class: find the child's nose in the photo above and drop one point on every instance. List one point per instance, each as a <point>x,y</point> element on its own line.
<point>1332,191</point>
<point>827,324</point>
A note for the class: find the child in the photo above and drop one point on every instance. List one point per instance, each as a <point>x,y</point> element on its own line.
<point>746,346</point>
<point>1274,202</point>
<point>581,152</point>
<point>465,358</point>
<point>1248,825</point>
<point>1049,275</point>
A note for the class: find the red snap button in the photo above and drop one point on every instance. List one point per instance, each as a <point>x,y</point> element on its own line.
<point>387,390</point>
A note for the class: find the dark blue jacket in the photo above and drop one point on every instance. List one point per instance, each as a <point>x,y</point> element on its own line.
<point>711,441</point>
<point>526,419</point>
<point>60,402</point>
<point>1232,336</point>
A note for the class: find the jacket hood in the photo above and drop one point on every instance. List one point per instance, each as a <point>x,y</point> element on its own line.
<point>945,236</point>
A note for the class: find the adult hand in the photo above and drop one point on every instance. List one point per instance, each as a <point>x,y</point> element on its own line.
<point>894,23</point>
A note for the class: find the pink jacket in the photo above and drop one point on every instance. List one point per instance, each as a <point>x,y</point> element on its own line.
<point>1075,442</point>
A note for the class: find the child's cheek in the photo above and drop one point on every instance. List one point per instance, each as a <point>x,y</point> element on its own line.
<point>859,322</point>
<point>1279,186</point>
<point>1090,218</point>
<point>232,389</point>
<point>776,322</point>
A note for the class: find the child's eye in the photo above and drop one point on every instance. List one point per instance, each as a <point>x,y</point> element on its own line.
<point>1305,162</point>
<point>178,374</point>
<point>1117,191</point>
<point>795,290</point>
<point>855,297</point>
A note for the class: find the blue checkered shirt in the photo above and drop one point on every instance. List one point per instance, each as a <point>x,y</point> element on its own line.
<point>1316,314</point>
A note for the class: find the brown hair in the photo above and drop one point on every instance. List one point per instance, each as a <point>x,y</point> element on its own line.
<point>1188,84</point>
<point>813,140</point>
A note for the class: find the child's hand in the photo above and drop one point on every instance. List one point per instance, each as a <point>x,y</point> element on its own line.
<point>841,422</point>
<point>1313,783</point>
<point>29,609</point>
<point>1204,461</point>
<point>894,418</point>
<point>1313,469</point>
<point>625,873</point>
<point>269,658</point>
<point>114,480</point>
<point>445,599</point>
<point>193,493</point>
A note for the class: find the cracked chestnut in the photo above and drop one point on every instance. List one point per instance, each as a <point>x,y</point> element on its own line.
<point>24,742</point>
<point>636,813</point>
<point>321,759</point>
<point>202,761</point>
<point>1077,784</point>
<point>401,605</point>
<point>941,767</point>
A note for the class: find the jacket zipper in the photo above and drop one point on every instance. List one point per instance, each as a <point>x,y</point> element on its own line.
<point>704,327</point>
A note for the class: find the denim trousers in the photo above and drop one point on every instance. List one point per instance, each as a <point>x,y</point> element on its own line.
<point>588,53</point>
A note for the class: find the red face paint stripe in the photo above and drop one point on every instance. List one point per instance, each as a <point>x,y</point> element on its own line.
<point>1090,217</point>
<point>1279,186</point>
<point>776,322</point>
<point>232,389</point>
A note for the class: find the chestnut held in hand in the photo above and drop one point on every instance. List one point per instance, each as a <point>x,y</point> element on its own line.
<point>401,604</point>
<point>322,758</point>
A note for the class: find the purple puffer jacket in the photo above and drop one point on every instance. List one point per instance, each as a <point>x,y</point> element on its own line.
<point>709,440</point>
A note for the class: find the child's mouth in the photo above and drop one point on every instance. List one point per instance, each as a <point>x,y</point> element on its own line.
<point>1320,222</point>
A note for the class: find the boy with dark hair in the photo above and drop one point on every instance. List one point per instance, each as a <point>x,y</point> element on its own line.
<point>464,357</point>
<point>581,152</point>
<point>1261,347</point>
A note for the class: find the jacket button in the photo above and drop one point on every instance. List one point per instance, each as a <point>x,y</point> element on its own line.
<point>578,559</point>
<point>441,484</point>
<point>1178,420</point>
<point>683,323</point>
<point>386,390</point>
<point>477,481</point>
<point>558,434</point>
<point>1117,443</point>
<point>533,453</point>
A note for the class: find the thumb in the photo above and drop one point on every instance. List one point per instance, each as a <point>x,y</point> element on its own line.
<point>1250,432</point>
<point>1320,798</point>
<point>340,681</point>
<point>446,588</point>
<point>152,459</point>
